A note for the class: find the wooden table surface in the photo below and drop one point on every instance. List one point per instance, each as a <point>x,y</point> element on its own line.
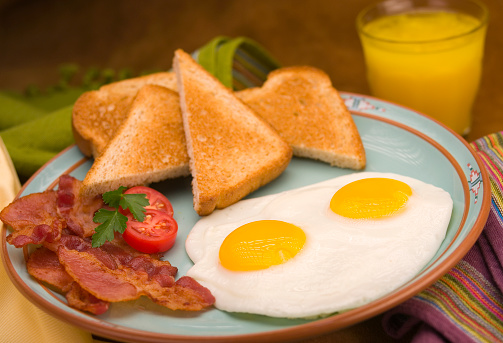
<point>37,37</point>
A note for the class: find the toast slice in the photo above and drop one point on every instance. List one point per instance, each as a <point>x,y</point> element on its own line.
<point>149,146</point>
<point>97,114</point>
<point>232,151</point>
<point>309,114</point>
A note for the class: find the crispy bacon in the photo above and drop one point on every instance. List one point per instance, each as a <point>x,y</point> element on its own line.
<point>31,210</point>
<point>95,277</point>
<point>187,282</point>
<point>113,253</point>
<point>82,300</point>
<point>77,210</point>
<point>70,241</point>
<point>34,219</point>
<point>44,265</point>
<point>129,282</point>
<point>39,234</point>
<point>92,277</point>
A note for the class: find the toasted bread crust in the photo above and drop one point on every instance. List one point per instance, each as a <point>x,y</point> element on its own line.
<point>302,105</point>
<point>232,151</point>
<point>149,146</point>
<point>97,114</point>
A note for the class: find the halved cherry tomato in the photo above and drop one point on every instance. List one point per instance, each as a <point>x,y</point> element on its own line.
<point>157,232</point>
<point>157,200</point>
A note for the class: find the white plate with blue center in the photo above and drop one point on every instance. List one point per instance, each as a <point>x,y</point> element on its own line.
<point>396,140</point>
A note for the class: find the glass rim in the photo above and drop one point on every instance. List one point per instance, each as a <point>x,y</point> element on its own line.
<point>484,19</point>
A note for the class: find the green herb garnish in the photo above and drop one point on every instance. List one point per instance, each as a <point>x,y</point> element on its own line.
<point>111,221</point>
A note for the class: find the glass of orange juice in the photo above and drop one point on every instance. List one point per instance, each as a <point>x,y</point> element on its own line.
<point>426,55</point>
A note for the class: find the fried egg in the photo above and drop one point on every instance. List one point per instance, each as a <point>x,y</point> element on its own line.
<point>319,249</point>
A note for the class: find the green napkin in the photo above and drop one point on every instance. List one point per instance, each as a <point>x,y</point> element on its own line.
<point>36,125</point>
<point>34,142</point>
<point>14,112</point>
<point>238,63</point>
<point>35,128</point>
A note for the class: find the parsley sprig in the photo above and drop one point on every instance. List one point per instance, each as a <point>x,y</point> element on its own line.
<point>111,221</point>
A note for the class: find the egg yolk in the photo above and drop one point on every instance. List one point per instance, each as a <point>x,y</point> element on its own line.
<point>370,198</point>
<point>260,245</point>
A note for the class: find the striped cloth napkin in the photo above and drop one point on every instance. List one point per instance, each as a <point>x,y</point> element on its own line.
<point>465,305</point>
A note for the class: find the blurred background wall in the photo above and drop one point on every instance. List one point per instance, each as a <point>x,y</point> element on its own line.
<point>37,37</point>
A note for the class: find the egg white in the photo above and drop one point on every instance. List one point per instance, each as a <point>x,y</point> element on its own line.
<point>344,263</point>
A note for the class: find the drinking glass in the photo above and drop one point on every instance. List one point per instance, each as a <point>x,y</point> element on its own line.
<point>426,55</point>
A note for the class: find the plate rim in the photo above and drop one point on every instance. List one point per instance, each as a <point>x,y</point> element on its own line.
<point>317,327</point>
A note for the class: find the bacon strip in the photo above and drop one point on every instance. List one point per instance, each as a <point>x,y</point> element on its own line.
<point>34,219</point>
<point>31,210</point>
<point>77,210</point>
<point>82,300</point>
<point>95,277</point>
<point>44,265</point>
<point>142,275</point>
<point>113,253</point>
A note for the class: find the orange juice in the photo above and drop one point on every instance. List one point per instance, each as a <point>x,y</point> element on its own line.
<point>430,61</point>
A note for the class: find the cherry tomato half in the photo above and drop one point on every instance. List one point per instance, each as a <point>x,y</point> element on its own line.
<point>157,200</point>
<point>157,232</point>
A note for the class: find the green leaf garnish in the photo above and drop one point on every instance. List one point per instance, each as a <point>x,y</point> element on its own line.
<point>114,221</point>
<point>113,198</point>
<point>111,221</point>
<point>135,203</point>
